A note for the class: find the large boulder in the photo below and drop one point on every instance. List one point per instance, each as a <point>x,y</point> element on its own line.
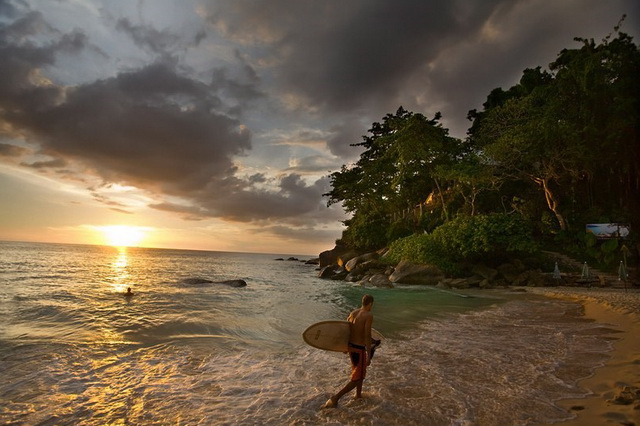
<point>380,280</point>
<point>330,257</point>
<point>327,272</point>
<point>345,257</point>
<point>203,281</point>
<point>233,283</point>
<point>411,273</point>
<point>352,263</point>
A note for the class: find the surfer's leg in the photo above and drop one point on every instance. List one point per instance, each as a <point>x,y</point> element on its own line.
<point>333,401</point>
<point>348,388</point>
<point>359,389</point>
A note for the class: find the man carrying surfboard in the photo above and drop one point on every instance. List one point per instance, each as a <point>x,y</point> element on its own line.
<point>360,349</point>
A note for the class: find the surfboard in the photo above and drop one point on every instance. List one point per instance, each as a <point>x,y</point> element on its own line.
<point>332,335</point>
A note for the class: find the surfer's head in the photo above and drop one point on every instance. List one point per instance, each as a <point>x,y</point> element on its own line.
<point>367,300</point>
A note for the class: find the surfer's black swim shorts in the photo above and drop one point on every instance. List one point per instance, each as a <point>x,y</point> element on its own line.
<point>358,355</point>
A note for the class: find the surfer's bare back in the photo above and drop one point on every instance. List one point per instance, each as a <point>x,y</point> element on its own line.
<point>360,349</point>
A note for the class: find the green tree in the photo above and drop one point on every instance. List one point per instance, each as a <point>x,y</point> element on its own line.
<point>574,133</point>
<point>396,170</point>
<point>596,92</point>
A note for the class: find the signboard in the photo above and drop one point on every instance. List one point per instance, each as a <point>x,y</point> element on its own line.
<point>608,230</point>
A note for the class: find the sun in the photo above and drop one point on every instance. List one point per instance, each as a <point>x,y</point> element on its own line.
<point>122,235</point>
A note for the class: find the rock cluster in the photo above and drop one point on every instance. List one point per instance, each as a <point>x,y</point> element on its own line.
<point>370,269</point>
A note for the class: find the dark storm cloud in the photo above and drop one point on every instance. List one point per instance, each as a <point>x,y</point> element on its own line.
<point>343,54</point>
<point>147,37</point>
<point>241,86</point>
<point>345,134</point>
<point>293,198</point>
<point>295,201</point>
<point>364,58</point>
<point>7,9</point>
<point>151,128</point>
<point>155,128</point>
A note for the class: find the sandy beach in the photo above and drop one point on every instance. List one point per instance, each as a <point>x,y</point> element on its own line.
<point>614,387</point>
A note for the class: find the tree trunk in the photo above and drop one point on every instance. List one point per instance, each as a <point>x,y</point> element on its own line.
<point>444,206</point>
<point>552,202</point>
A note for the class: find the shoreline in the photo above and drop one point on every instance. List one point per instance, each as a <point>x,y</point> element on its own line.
<point>620,310</point>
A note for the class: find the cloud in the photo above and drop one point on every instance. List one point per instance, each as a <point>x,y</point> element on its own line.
<point>343,55</point>
<point>364,58</point>
<point>149,38</point>
<point>294,198</point>
<point>9,150</point>
<point>54,163</point>
<point>150,128</point>
<point>155,128</point>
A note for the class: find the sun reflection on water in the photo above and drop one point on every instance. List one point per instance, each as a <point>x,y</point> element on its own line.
<point>120,271</point>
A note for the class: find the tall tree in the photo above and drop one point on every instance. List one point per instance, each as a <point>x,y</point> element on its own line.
<point>397,168</point>
<point>574,129</point>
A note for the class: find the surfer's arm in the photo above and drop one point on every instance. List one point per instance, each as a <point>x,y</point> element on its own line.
<point>367,336</point>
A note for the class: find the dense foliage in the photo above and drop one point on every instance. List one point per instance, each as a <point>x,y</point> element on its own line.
<point>490,238</point>
<point>556,151</point>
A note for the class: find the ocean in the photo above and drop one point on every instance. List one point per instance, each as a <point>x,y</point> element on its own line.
<point>74,350</point>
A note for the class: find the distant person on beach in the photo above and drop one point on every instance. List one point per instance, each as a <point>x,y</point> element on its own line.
<point>360,349</point>
<point>129,293</point>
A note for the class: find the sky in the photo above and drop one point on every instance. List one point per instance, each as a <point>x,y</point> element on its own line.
<point>214,125</point>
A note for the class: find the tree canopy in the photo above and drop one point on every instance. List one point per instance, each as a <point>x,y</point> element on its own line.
<point>560,149</point>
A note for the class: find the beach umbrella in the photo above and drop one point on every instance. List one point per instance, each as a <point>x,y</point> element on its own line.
<point>585,271</point>
<point>622,275</point>
<point>556,273</point>
<point>622,272</point>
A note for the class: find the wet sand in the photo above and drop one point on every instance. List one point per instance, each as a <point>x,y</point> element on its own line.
<point>615,387</point>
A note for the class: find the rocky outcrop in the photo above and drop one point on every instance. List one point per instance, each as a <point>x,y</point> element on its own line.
<point>372,269</point>
<point>355,261</point>
<point>411,273</point>
<point>204,281</point>
<point>380,280</point>
<point>332,273</point>
<point>330,257</point>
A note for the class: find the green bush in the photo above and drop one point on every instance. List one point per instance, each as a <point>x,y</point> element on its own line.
<point>478,237</point>
<point>488,238</point>
<point>421,248</point>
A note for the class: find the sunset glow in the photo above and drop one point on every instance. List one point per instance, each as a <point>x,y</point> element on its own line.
<point>123,236</point>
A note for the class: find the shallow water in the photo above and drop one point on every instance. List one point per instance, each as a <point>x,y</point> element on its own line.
<point>74,350</point>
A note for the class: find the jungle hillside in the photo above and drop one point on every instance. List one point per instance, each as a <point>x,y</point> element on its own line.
<point>541,160</point>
